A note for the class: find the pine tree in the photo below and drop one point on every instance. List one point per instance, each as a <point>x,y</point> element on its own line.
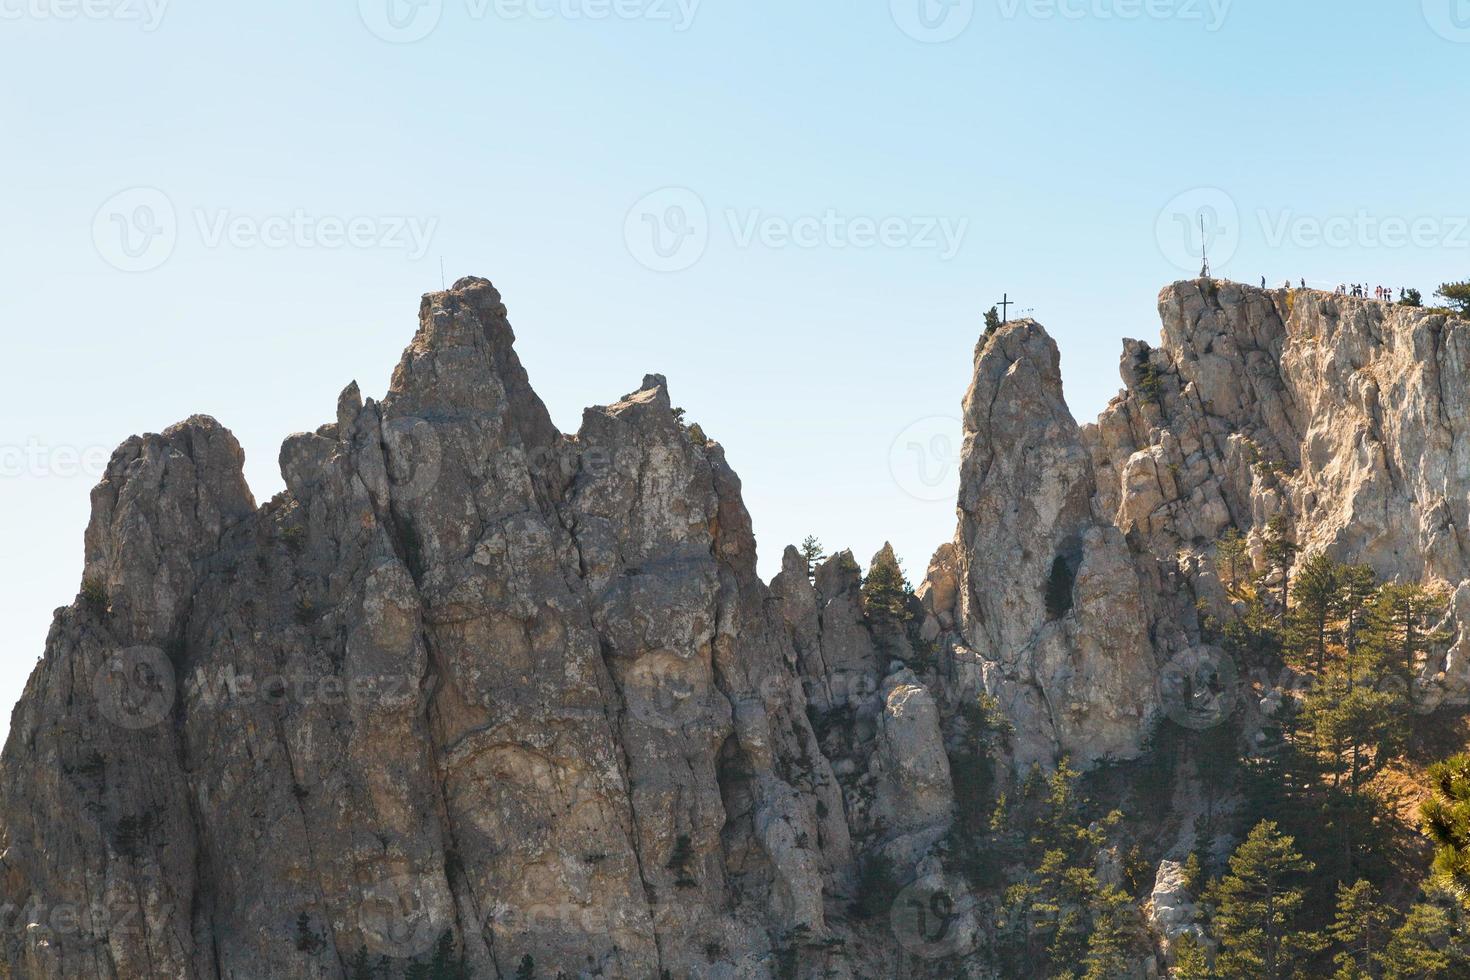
<point>1361,927</point>
<point>1255,637</point>
<point>1280,555</point>
<point>1431,942</point>
<point>1318,589</point>
<point>992,320</point>
<point>1446,817</point>
<point>308,940</point>
<point>527,969</point>
<point>1064,922</point>
<point>361,967</point>
<point>444,963</point>
<point>1257,907</point>
<point>1354,734</point>
<point>1190,959</point>
<point>1232,557</point>
<point>811,552</point>
<point>679,862</point>
<point>1403,623</point>
<point>1114,941</point>
<point>1358,584</point>
<point>1456,296</point>
<point>885,591</point>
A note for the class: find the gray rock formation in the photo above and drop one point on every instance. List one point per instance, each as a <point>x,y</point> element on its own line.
<point>1046,599</point>
<point>466,674</point>
<point>469,676</point>
<point>1348,417</point>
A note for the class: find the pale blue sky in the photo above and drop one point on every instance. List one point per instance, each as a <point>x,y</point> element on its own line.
<point>838,196</point>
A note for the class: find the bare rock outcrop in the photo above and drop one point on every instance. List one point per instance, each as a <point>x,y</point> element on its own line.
<point>466,676</point>
<point>1040,586</point>
<point>1348,418</point>
<point>470,677</point>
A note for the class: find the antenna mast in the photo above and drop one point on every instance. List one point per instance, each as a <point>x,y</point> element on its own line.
<point>1204,249</point>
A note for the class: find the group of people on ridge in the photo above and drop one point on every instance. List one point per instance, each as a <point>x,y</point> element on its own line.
<point>1384,294</point>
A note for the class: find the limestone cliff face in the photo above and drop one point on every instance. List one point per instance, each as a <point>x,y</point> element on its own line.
<point>1347,417</point>
<point>471,676</point>
<point>1049,604</point>
<point>1083,555</point>
<point>466,675</point>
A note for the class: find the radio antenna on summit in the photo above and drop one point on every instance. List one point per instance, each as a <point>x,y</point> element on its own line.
<point>1204,249</point>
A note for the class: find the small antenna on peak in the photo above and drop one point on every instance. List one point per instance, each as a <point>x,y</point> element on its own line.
<point>1204,248</point>
<point>443,283</point>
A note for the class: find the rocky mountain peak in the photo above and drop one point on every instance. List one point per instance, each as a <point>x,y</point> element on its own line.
<point>471,679</point>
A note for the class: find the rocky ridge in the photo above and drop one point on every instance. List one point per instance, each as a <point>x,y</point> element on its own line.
<point>472,676</point>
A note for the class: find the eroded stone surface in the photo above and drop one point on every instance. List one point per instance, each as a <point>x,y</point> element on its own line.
<point>471,675</point>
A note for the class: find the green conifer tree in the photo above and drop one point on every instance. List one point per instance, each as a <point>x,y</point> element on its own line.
<point>1191,962</point>
<point>1404,619</point>
<point>1232,558</point>
<point>812,553</point>
<point>1258,906</point>
<point>885,591</point>
<point>1446,817</point>
<point>1280,555</point>
<point>1317,589</point>
<point>1431,942</point>
<point>1360,929</point>
<point>1456,296</point>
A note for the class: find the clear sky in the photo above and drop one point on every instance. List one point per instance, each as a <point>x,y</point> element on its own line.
<point>798,212</point>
